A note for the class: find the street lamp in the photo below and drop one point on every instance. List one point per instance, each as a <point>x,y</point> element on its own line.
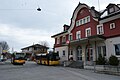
<point>38,9</point>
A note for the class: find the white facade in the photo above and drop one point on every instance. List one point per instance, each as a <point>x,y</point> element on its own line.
<point>110,44</point>
<point>63,53</point>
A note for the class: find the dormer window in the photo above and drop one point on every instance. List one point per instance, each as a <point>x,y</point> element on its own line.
<point>111,10</point>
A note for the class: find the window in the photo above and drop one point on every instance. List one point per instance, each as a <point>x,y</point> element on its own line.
<point>58,40</point>
<point>112,25</point>
<point>71,52</point>
<point>77,23</point>
<point>70,37</point>
<point>88,32</point>
<point>78,34</point>
<point>79,53</point>
<point>83,21</point>
<point>111,10</point>
<point>117,49</point>
<point>104,50</point>
<point>63,39</point>
<point>35,48</point>
<point>63,52</point>
<point>101,50</point>
<point>100,29</point>
<point>88,19</point>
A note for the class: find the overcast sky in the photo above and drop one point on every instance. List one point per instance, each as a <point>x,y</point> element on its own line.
<point>21,24</point>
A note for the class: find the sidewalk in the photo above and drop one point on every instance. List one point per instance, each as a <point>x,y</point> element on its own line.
<point>102,69</point>
<point>89,74</point>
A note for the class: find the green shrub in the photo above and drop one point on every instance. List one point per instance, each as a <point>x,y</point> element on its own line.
<point>101,60</point>
<point>113,60</point>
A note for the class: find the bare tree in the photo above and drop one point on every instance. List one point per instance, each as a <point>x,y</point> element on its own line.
<point>44,43</point>
<point>4,45</point>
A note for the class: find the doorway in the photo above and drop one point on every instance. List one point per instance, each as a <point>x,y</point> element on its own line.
<point>79,53</point>
<point>89,55</point>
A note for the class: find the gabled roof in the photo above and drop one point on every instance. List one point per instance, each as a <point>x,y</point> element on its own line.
<point>116,12</point>
<point>65,31</point>
<point>111,5</point>
<point>35,45</point>
<point>110,15</point>
<point>59,34</point>
<point>94,13</point>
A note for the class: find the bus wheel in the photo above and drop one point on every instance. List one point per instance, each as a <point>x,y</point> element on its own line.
<point>14,63</point>
<point>21,63</point>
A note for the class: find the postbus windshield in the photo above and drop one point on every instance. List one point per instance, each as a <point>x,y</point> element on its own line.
<point>19,55</point>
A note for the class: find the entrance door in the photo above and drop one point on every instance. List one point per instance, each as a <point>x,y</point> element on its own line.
<point>89,55</point>
<point>79,54</point>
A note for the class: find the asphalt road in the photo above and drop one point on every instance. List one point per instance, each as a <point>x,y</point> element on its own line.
<point>32,71</point>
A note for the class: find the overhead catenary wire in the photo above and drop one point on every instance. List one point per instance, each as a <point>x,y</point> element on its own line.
<point>23,6</point>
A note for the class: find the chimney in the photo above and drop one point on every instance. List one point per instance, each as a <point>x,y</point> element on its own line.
<point>93,8</point>
<point>66,27</point>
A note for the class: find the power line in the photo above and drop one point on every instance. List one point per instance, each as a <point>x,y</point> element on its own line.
<point>17,9</point>
<point>38,9</point>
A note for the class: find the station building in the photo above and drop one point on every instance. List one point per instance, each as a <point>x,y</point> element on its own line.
<point>89,34</point>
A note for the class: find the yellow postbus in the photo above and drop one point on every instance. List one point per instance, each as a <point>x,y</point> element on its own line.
<point>18,58</point>
<point>47,59</point>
